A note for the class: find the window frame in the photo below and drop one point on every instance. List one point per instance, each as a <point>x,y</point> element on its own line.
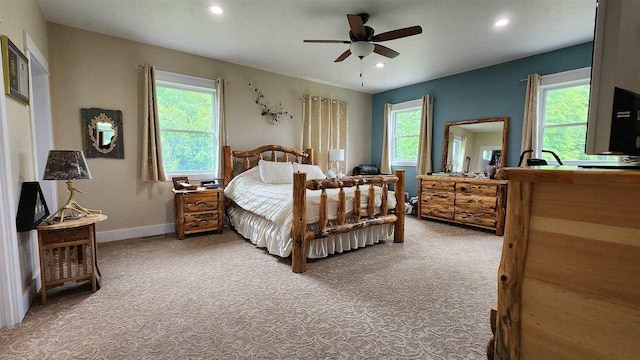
<point>556,81</point>
<point>406,106</point>
<point>193,83</point>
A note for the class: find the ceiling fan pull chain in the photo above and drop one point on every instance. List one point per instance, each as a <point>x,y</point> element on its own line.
<point>361,75</point>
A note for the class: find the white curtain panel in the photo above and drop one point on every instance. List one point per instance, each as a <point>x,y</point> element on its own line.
<point>530,120</point>
<point>385,160</point>
<point>325,124</point>
<point>152,168</point>
<point>426,136</point>
<point>223,126</point>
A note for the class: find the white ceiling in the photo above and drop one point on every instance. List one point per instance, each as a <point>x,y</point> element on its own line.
<point>267,34</point>
<point>485,127</point>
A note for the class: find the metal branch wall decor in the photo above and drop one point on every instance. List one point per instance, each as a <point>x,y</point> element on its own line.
<point>274,114</point>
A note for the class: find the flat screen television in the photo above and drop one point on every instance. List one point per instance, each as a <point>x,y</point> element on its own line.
<point>613,127</point>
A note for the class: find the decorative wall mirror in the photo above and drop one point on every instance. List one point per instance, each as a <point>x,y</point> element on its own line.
<point>102,133</point>
<point>470,146</point>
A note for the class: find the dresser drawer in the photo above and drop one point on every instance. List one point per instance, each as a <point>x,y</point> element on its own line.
<point>475,202</point>
<point>476,189</point>
<point>200,202</point>
<point>438,197</point>
<point>201,221</point>
<point>438,211</point>
<point>487,219</point>
<point>438,185</point>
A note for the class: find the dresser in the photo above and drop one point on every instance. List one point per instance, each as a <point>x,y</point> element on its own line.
<point>569,277</point>
<point>197,211</point>
<point>462,200</point>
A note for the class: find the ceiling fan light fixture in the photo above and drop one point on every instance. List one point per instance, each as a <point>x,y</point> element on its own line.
<point>215,9</point>
<point>379,65</point>
<point>501,22</point>
<point>361,49</point>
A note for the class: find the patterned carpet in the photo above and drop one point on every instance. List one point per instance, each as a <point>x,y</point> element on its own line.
<point>219,297</point>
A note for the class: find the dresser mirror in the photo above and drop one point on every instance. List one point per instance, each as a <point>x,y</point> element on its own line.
<point>471,146</point>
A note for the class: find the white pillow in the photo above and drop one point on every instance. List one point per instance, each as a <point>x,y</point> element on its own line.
<point>272,172</point>
<point>313,171</point>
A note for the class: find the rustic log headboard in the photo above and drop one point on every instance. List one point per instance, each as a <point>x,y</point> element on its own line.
<point>231,158</point>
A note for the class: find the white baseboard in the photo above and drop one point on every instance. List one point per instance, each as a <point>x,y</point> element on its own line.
<point>27,298</point>
<point>122,234</point>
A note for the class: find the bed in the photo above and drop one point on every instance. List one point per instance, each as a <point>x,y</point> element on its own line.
<point>309,218</point>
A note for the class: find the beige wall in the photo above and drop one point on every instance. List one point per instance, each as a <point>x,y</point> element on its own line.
<point>93,70</point>
<point>484,139</point>
<point>470,135</point>
<point>20,16</point>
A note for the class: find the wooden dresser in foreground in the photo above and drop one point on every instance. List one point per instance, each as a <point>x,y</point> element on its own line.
<point>197,211</point>
<point>469,201</point>
<point>569,278</point>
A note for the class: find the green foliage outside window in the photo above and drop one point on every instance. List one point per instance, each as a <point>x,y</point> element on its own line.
<point>407,134</point>
<point>186,129</point>
<point>568,105</point>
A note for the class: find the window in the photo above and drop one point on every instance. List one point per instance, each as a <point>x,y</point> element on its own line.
<point>405,132</point>
<point>188,125</point>
<point>562,117</point>
<point>457,153</point>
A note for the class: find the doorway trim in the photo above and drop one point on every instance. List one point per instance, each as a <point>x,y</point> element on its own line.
<point>33,52</point>
<point>10,278</point>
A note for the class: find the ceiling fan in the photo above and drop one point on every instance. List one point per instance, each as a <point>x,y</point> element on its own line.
<point>363,38</point>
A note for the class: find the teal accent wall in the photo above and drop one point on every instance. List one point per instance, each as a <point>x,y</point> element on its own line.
<point>493,91</point>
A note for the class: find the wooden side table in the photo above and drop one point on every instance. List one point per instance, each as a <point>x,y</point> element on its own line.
<point>197,211</point>
<point>68,252</point>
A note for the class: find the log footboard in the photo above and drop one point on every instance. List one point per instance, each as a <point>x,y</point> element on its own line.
<point>302,235</point>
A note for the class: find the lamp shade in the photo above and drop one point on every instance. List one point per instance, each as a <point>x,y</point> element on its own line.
<point>336,155</point>
<point>361,48</point>
<point>66,165</point>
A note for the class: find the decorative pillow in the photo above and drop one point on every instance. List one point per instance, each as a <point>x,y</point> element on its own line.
<point>272,172</point>
<point>313,171</point>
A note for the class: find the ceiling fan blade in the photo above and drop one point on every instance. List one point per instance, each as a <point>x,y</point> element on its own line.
<point>397,34</point>
<point>328,41</point>
<point>385,51</point>
<point>357,26</point>
<point>343,56</point>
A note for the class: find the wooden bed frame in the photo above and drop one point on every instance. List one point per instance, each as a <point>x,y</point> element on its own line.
<point>301,232</point>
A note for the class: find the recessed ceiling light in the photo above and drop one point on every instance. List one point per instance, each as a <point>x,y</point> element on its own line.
<point>215,9</point>
<point>379,65</point>
<point>501,22</point>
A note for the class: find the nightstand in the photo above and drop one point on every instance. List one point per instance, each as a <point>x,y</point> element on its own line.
<point>197,211</point>
<point>68,252</point>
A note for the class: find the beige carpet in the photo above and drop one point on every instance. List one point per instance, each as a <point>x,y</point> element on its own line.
<point>219,297</point>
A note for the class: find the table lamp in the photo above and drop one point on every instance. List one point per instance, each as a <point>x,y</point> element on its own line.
<point>68,165</point>
<point>336,155</point>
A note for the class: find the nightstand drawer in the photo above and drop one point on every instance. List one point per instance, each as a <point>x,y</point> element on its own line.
<point>200,202</point>
<point>201,221</point>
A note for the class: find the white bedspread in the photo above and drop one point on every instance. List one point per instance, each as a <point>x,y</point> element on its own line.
<point>274,202</point>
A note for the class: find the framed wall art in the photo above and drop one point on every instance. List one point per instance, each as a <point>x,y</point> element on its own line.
<point>102,133</point>
<point>15,67</point>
